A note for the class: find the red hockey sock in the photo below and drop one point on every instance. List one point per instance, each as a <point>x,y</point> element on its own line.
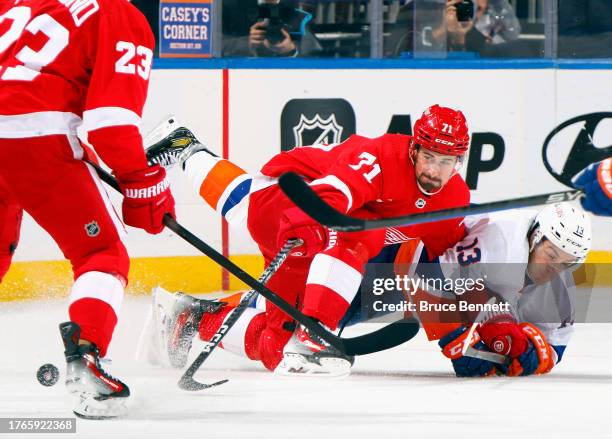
<point>244,336</point>
<point>97,320</point>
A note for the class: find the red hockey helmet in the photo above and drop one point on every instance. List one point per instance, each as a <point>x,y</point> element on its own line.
<point>442,130</point>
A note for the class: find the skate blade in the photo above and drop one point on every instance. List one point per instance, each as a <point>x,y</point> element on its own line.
<point>151,347</point>
<point>294,364</point>
<point>88,407</point>
<point>161,130</point>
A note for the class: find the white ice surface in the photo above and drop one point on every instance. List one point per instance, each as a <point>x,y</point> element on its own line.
<point>408,392</point>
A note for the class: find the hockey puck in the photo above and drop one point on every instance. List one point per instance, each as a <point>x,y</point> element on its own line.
<point>47,375</point>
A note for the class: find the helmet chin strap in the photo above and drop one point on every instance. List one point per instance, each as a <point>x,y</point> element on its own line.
<point>535,236</point>
<point>425,192</point>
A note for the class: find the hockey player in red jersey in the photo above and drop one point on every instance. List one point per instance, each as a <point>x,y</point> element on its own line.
<point>66,64</point>
<point>381,177</point>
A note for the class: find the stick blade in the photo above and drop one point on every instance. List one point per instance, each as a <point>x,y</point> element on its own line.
<point>306,199</point>
<point>386,338</point>
<point>189,384</point>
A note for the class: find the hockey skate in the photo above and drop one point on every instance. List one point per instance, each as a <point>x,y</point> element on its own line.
<point>171,144</point>
<point>309,355</point>
<point>97,394</point>
<point>176,318</point>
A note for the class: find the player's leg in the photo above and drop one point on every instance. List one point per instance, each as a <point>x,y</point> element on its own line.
<point>222,184</point>
<point>259,334</point>
<point>66,198</point>
<point>336,273</point>
<point>333,281</point>
<point>10,225</point>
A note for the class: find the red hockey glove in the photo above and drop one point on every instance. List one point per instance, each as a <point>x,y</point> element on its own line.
<point>504,336</point>
<point>296,224</point>
<point>147,198</point>
<point>536,360</point>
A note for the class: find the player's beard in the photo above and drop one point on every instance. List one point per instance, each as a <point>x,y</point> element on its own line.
<point>428,183</point>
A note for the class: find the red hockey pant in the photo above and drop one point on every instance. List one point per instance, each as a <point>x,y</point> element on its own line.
<point>46,177</point>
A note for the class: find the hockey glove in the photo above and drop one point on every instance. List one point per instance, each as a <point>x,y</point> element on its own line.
<point>536,360</point>
<point>296,224</point>
<point>596,182</point>
<point>504,336</point>
<point>147,198</point>
<point>452,345</point>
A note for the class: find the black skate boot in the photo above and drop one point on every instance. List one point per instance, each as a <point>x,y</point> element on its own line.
<point>307,354</point>
<point>98,395</point>
<point>169,144</point>
<point>181,324</point>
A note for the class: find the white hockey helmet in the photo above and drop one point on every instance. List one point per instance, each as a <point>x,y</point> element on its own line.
<point>566,226</point>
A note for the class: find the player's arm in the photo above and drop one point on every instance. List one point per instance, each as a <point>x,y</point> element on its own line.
<point>596,181</point>
<point>352,181</point>
<point>115,100</point>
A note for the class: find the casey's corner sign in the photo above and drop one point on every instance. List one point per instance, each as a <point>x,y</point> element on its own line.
<point>185,28</point>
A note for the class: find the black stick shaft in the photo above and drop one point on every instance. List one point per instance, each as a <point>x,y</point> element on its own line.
<point>187,382</point>
<point>306,199</point>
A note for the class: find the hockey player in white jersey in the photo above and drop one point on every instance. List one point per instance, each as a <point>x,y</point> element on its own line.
<point>525,259</point>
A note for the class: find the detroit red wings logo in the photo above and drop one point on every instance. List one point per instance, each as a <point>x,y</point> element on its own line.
<point>394,236</point>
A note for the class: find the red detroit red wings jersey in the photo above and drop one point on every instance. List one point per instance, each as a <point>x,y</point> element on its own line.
<point>375,178</point>
<point>64,63</point>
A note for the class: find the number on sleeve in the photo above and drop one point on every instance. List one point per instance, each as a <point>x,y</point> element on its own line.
<point>125,63</point>
<point>367,159</point>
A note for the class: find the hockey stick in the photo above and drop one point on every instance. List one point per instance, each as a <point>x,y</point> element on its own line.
<point>306,199</point>
<point>187,382</point>
<point>384,338</point>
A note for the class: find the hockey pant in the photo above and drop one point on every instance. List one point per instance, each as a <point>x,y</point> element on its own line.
<point>46,177</point>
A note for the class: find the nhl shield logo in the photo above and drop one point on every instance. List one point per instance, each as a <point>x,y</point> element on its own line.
<point>92,229</point>
<point>317,130</point>
<point>420,203</point>
<point>315,122</point>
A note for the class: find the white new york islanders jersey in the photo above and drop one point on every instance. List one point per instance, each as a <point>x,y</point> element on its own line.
<point>496,249</point>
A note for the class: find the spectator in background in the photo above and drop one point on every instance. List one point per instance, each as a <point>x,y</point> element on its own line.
<point>494,23</point>
<point>267,28</point>
<point>585,29</point>
<point>492,31</point>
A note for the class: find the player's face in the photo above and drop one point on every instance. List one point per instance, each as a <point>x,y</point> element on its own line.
<point>547,261</point>
<point>433,170</point>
